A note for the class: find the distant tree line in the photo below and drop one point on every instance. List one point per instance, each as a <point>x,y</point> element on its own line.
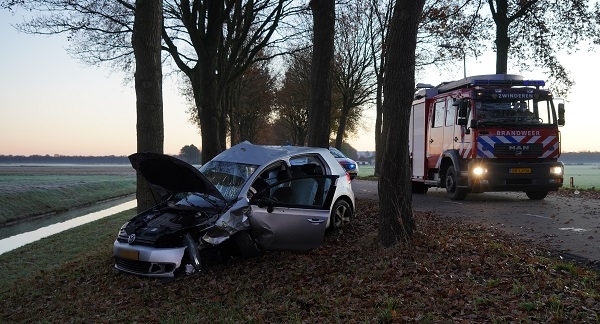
<point>64,159</point>
<point>191,154</point>
<point>188,153</point>
<point>580,157</point>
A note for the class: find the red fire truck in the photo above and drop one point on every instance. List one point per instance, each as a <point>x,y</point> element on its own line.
<point>486,133</point>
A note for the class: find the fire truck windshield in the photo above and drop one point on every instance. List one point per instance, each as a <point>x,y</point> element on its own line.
<point>515,112</point>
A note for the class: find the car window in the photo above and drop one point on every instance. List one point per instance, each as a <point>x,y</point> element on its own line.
<point>297,162</point>
<point>228,177</point>
<point>275,172</point>
<point>336,153</point>
<point>303,192</point>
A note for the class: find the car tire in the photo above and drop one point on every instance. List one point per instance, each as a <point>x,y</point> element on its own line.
<point>452,189</point>
<point>246,245</point>
<point>341,214</point>
<point>536,195</point>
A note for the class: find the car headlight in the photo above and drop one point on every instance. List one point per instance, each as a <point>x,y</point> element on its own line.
<point>478,170</point>
<point>122,229</point>
<point>556,170</point>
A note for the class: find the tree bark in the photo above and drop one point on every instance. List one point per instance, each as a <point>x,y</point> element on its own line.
<point>319,114</point>
<point>341,128</point>
<point>502,39</point>
<point>396,220</point>
<point>378,123</point>
<point>210,121</point>
<point>146,41</point>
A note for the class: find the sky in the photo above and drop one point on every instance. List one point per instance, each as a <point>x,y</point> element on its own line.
<point>50,103</point>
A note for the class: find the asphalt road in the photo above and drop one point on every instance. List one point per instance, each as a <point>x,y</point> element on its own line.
<point>566,225</point>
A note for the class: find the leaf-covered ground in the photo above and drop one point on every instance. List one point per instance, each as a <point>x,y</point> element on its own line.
<point>449,273</point>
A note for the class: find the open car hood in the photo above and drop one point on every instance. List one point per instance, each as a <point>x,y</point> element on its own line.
<point>172,174</point>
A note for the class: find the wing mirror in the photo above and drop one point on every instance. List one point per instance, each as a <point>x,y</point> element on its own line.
<point>561,114</point>
<point>463,112</point>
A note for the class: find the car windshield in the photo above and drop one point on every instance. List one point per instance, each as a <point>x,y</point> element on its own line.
<point>522,112</point>
<point>228,177</point>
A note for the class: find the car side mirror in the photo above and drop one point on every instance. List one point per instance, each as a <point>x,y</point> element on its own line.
<point>561,114</point>
<point>265,202</point>
<point>463,113</point>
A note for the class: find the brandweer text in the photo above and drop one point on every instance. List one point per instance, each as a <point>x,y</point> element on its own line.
<point>517,133</point>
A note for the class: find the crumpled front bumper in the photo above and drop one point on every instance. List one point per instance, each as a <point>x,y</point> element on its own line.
<point>147,261</point>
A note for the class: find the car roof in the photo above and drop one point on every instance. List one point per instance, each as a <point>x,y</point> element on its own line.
<point>249,153</point>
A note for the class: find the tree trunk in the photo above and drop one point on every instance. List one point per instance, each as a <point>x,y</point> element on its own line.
<point>396,221</point>
<point>205,83</point>
<point>319,114</point>
<point>342,128</point>
<point>502,38</point>
<point>146,41</point>
<point>378,123</point>
<point>210,121</point>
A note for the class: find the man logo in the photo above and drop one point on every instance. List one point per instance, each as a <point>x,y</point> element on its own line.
<point>518,148</point>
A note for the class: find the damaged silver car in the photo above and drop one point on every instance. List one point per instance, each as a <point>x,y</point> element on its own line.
<point>247,199</point>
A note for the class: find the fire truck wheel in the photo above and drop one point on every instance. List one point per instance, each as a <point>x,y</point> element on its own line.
<point>536,195</point>
<point>452,189</point>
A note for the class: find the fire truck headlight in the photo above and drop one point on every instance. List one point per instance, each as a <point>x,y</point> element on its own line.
<point>556,170</point>
<point>478,170</point>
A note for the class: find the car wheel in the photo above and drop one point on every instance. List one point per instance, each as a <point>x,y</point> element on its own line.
<point>246,245</point>
<point>454,192</point>
<point>341,214</point>
<point>536,195</point>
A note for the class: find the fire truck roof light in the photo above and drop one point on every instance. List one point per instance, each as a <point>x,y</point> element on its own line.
<point>536,83</point>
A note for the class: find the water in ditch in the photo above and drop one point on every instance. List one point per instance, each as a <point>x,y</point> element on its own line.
<point>17,235</point>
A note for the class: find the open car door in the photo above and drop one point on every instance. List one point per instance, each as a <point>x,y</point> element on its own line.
<point>292,214</point>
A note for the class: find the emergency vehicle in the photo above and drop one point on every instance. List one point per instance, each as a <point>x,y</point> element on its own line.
<point>486,133</point>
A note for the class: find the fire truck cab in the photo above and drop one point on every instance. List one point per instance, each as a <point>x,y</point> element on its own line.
<point>486,133</point>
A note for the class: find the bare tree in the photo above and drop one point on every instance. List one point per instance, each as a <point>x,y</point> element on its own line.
<point>210,42</point>
<point>442,21</point>
<point>379,14</point>
<point>251,99</point>
<point>353,78</point>
<point>293,96</point>
<point>532,32</point>
<point>225,37</point>
<point>293,99</point>
<point>319,114</point>
<point>396,222</point>
<point>146,38</point>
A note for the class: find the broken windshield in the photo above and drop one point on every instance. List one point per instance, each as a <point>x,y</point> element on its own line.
<point>228,177</point>
<point>520,112</point>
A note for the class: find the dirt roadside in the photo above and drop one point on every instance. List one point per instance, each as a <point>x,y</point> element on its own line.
<point>566,223</point>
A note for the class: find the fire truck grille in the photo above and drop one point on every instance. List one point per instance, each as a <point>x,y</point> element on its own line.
<point>528,150</point>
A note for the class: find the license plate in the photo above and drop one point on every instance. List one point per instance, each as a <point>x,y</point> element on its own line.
<point>128,254</point>
<point>520,170</point>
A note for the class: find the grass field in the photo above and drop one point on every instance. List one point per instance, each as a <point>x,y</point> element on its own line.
<point>27,191</point>
<point>584,176</point>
